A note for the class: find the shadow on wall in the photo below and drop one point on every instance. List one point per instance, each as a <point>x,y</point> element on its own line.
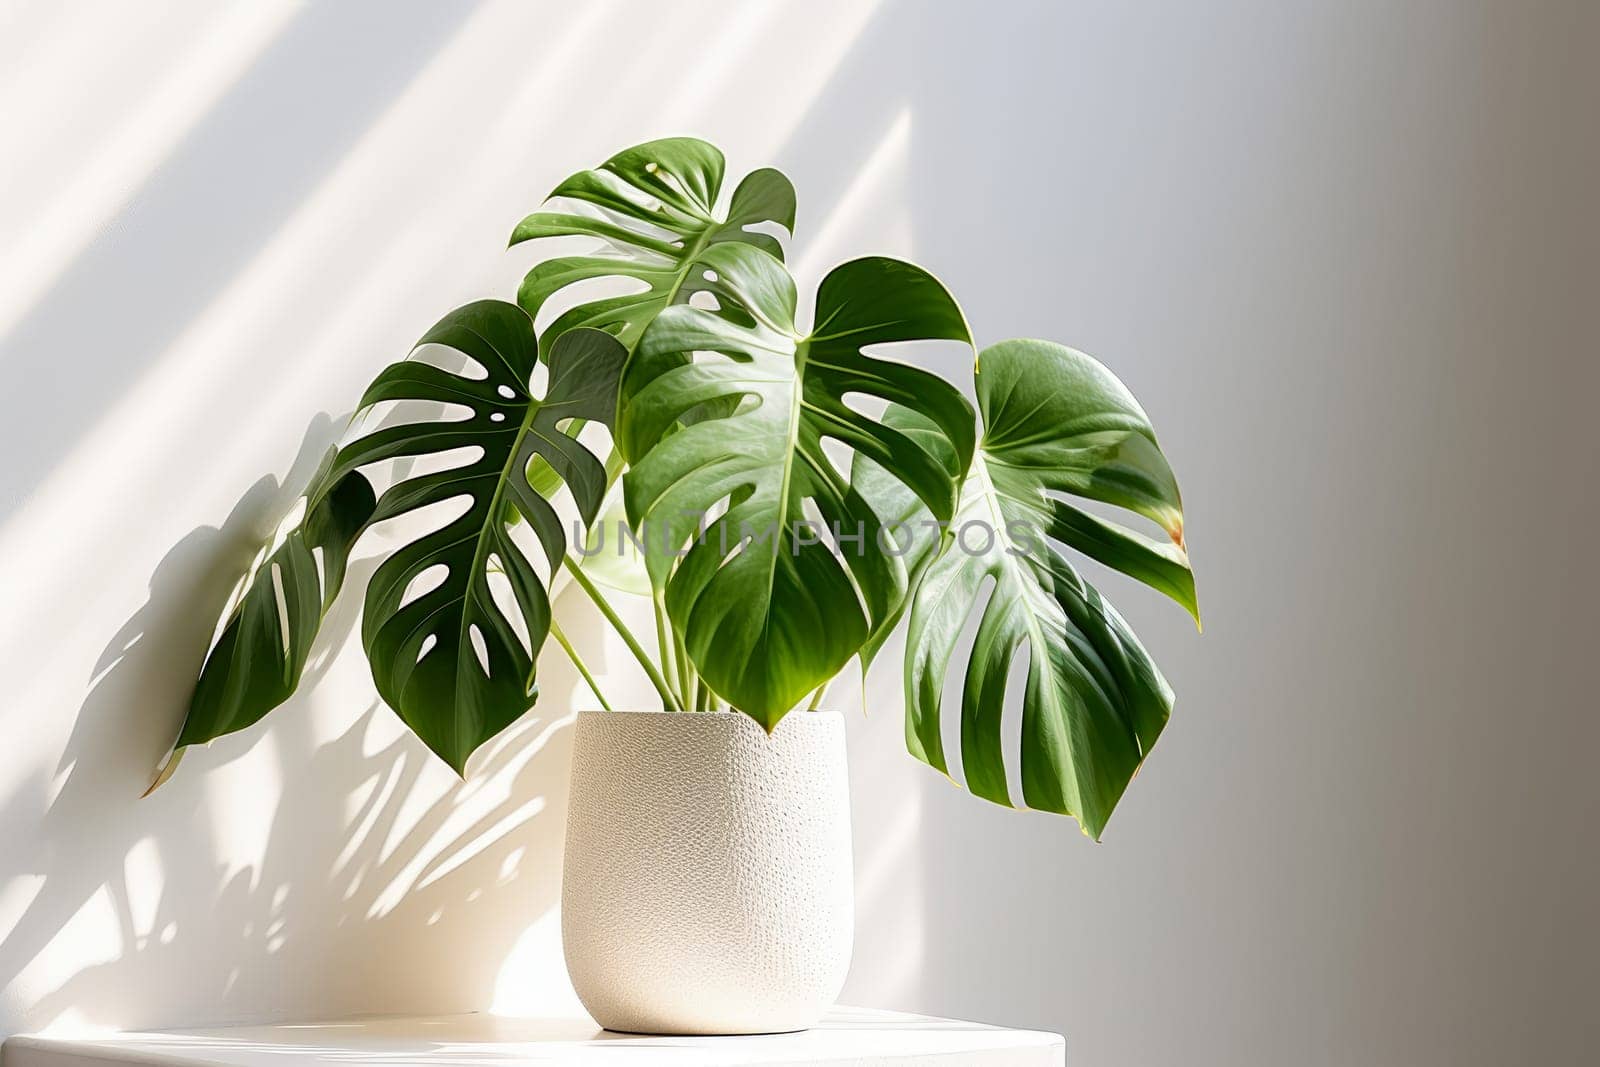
<point>320,861</point>
<point>347,842</point>
<point>232,182</point>
<point>187,924</point>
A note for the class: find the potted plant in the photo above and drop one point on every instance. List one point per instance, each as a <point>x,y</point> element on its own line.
<point>792,495</point>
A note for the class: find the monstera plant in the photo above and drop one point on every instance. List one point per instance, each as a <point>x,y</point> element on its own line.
<point>796,493</point>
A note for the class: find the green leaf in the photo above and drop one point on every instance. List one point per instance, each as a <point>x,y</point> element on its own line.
<point>450,662</point>
<point>654,206</point>
<point>767,612</point>
<point>258,658</point>
<point>1055,423</point>
<point>901,524</point>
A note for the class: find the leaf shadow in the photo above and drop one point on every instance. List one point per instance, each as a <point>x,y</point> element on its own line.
<point>352,853</point>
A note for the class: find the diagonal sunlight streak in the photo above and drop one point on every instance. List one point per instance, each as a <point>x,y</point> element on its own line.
<point>225,190</point>
<point>486,175</point>
<point>736,39</point>
<point>400,228</point>
<point>133,139</point>
<point>887,803</point>
<point>156,419</point>
<point>191,368</point>
<point>881,902</point>
<point>876,180</point>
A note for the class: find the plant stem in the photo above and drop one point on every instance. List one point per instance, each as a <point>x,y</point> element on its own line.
<point>816,698</point>
<point>685,672</point>
<point>669,662</point>
<point>675,663</point>
<point>577,661</point>
<point>669,701</point>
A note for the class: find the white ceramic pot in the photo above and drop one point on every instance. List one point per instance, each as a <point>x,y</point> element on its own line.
<point>707,887</point>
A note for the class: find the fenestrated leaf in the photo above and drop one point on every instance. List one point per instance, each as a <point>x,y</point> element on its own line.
<point>1058,422</point>
<point>259,656</point>
<point>767,612</point>
<point>1054,422</point>
<point>654,206</point>
<point>449,661</point>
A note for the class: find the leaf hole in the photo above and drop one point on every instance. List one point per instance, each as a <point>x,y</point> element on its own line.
<point>1112,513</point>
<point>431,516</point>
<point>480,647</point>
<point>390,413</point>
<point>635,227</point>
<point>839,455</point>
<point>504,597</point>
<point>774,230</point>
<point>578,299</point>
<point>671,181</point>
<point>427,646</point>
<point>288,524</point>
<point>950,360</point>
<point>526,540</point>
<point>865,404</point>
<point>423,583</point>
<point>282,602</point>
<point>451,360</point>
<point>1011,716</point>
<point>950,697</point>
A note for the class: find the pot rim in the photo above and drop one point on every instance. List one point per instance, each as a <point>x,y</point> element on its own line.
<point>718,714</point>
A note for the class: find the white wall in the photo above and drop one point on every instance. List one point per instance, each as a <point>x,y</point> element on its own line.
<point>1346,254</point>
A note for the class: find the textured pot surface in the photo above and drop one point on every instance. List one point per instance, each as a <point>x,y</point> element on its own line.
<point>707,887</point>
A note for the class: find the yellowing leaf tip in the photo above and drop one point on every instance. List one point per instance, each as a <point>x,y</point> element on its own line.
<point>165,771</point>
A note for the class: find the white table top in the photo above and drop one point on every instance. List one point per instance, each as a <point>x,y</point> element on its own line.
<point>845,1036</point>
